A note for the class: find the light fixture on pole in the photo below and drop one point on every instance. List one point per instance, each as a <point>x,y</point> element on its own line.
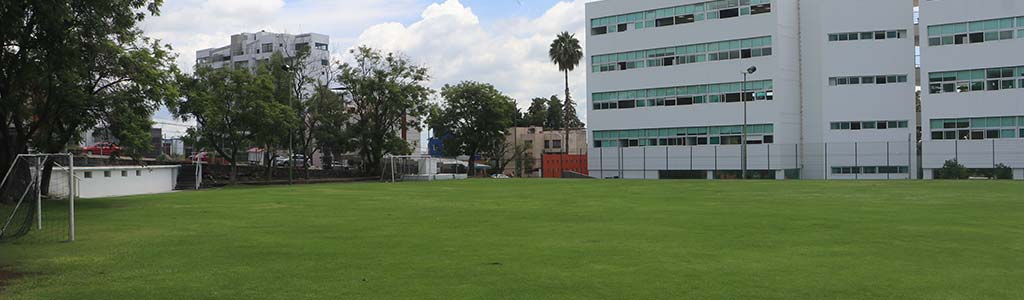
<point>743,137</point>
<point>291,154</point>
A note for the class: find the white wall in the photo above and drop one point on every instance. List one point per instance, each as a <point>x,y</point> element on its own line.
<point>994,54</point>
<point>781,67</point>
<point>824,104</point>
<point>150,180</point>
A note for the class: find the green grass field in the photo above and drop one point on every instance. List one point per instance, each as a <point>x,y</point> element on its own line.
<point>541,239</point>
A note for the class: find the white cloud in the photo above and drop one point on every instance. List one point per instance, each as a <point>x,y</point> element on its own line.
<point>510,54</point>
<point>190,25</point>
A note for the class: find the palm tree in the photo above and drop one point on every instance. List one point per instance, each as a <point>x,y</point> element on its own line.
<point>566,54</point>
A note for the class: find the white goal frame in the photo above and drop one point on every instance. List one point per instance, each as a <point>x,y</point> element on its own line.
<point>37,179</point>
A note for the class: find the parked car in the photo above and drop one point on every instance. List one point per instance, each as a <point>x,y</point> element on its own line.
<point>282,161</point>
<point>101,148</point>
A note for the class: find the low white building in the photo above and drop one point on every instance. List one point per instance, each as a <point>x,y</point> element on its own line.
<point>113,181</point>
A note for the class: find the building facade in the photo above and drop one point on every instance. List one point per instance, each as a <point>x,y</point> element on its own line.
<point>250,50</point>
<point>972,84</point>
<point>536,142</point>
<point>671,89</point>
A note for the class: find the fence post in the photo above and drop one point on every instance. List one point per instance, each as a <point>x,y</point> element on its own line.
<point>600,162</point>
<point>645,162</point>
<point>716,160</point>
<point>71,197</point>
<point>769,157</point>
<point>994,159</point>
<point>856,160</point>
<point>39,192</point>
<point>827,169</point>
<point>888,162</point>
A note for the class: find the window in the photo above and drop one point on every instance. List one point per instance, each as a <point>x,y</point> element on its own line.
<point>869,125</point>
<point>324,62</point>
<point>557,144</point>
<point>106,173</point>
<point>867,35</point>
<point>871,170</point>
<point>124,173</point>
<point>321,46</point>
<point>690,136</point>
<point>992,79</point>
<point>977,128</point>
<point>972,32</point>
<point>267,48</point>
<point>88,175</point>
<point>880,79</point>
<point>685,54</point>
<point>684,95</point>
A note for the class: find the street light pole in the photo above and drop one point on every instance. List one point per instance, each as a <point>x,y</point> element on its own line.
<point>291,154</point>
<point>743,137</point>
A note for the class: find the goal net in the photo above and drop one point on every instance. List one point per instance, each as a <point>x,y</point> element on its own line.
<point>37,198</point>
<point>422,168</point>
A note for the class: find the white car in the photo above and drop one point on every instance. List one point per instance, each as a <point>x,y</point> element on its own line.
<point>500,176</point>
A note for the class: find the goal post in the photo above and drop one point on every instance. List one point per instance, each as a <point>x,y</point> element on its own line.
<point>35,194</point>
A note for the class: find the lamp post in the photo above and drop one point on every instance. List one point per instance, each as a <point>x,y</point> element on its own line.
<point>291,154</point>
<point>743,137</point>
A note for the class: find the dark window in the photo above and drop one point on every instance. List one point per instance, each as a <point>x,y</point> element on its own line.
<point>599,30</point>
<point>768,139</point>
<point>623,27</point>
<point>745,53</point>
<point>729,13</point>
<point>668,61</point>
<point>977,37</point>
<point>760,9</point>
<point>883,125</point>
<point>866,35</point>
<point>686,101</point>
<point>684,19</point>
<point>732,97</point>
<point>993,85</point>
<point>934,41</point>
<point>627,104</point>
<point>977,135</point>
<point>880,35</point>
<point>937,135</point>
<point>855,126</point>
<point>664,22</point>
<point>670,102</point>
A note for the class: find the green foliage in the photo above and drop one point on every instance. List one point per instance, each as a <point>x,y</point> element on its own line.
<point>67,67</point>
<point>233,108</point>
<point>537,114</point>
<point>952,169</point>
<point>1003,172</point>
<point>387,91</point>
<point>477,115</point>
<point>554,120</point>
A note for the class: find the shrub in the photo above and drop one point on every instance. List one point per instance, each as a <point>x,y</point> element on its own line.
<point>952,169</point>
<point>1003,172</point>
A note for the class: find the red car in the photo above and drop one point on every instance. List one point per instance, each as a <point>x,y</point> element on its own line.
<point>101,148</point>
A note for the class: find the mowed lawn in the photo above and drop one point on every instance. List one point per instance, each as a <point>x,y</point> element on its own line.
<point>541,239</point>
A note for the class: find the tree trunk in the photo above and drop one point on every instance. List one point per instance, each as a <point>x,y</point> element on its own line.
<point>472,165</point>
<point>565,115</point>
<point>268,163</point>
<point>234,167</point>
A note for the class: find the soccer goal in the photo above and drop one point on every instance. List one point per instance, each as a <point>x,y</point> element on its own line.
<point>37,198</point>
<point>422,168</point>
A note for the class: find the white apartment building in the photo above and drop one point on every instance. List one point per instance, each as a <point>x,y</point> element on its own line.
<point>832,95</point>
<point>250,50</point>
<point>972,71</point>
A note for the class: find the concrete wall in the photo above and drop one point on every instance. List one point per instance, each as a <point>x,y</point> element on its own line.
<point>136,180</point>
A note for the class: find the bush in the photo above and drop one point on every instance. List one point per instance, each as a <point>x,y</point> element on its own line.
<point>952,169</point>
<point>1003,172</point>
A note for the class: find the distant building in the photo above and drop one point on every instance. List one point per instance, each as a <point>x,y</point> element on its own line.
<point>250,50</point>
<point>538,142</point>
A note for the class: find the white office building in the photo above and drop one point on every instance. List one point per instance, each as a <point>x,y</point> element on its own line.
<point>972,71</point>
<point>832,95</point>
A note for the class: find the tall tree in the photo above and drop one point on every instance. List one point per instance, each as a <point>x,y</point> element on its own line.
<point>477,115</point>
<point>554,118</point>
<point>387,92</point>
<point>537,114</point>
<point>232,107</point>
<point>69,67</point>
<point>566,54</point>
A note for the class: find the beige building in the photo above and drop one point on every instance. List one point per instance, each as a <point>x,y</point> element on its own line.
<point>534,142</point>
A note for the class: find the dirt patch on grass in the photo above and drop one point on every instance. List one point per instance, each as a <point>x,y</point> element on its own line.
<point>8,275</point>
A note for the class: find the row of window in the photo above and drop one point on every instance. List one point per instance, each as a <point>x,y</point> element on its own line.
<point>714,51</point>
<point>975,32</point>
<point>108,174</point>
<point>685,95</point>
<point>992,79</point>
<point>978,128</point>
<point>677,15</point>
<point>866,125</point>
<point>878,79</point>
<point>689,136</point>
<point>867,35</point>
<point>871,170</point>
